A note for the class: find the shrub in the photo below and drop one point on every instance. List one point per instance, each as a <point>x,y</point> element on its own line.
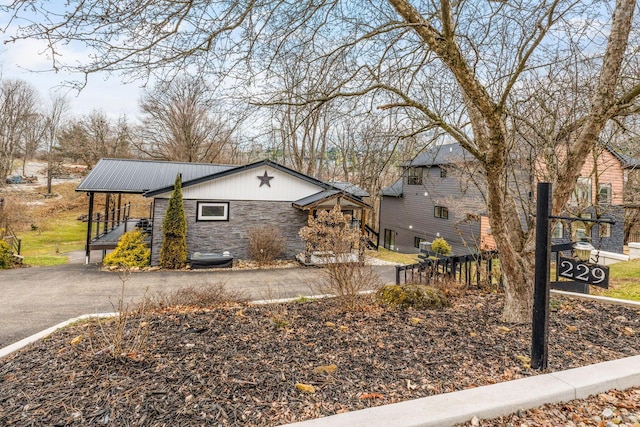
<point>201,296</point>
<point>5,255</point>
<point>173,253</point>
<point>418,297</point>
<point>265,244</point>
<point>131,251</point>
<point>441,247</point>
<point>330,232</point>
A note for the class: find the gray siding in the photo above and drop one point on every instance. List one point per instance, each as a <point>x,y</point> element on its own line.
<point>219,236</point>
<point>412,215</point>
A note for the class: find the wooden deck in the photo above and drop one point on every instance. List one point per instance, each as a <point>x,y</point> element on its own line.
<point>109,240</point>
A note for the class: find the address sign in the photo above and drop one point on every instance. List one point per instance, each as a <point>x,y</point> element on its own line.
<point>580,271</point>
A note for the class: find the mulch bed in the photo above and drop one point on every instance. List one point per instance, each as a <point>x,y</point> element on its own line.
<point>254,365</point>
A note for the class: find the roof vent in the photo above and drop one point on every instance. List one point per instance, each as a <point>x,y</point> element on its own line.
<point>451,149</point>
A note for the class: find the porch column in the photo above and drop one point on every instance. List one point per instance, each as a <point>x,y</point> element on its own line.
<point>107,202</point>
<point>307,253</point>
<point>363,220</point>
<point>87,254</point>
<point>119,207</point>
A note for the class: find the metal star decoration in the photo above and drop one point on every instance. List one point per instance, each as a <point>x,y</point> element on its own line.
<point>264,179</point>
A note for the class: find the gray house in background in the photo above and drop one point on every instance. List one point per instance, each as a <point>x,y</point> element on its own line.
<point>434,199</point>
<point>439,196</point>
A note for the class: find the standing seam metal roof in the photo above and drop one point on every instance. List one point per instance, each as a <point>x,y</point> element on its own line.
<point>327,194</point>
<point>139,176</point>
<point>440,155</point>
<point>394,190</point>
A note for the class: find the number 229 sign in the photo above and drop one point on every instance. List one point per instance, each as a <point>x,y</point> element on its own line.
<point>594,274</point>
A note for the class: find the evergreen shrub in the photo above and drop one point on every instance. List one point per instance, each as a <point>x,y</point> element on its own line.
<point>131,251</point>
<point>173,252</point>
<point>5,255</point>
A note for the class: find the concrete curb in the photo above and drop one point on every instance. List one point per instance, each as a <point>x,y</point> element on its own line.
<point>606,300</point>
<point>493,400</point>
<point>42,334</point>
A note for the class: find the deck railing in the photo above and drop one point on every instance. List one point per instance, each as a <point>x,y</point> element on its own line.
<point>473,269</point>
<point>111,219</point>
<point>10,237</point>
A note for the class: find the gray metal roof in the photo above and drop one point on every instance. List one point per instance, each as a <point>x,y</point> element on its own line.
<point>627,162</point>
<point>326,195</point>
<point>350,188</point>
<point>316,197</point>
<point>139,176</point>
<point>440,155</point>
<point>394,190</point>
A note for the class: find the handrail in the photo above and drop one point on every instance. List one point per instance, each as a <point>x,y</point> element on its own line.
<point>11,238</point>
<point>111,220</point>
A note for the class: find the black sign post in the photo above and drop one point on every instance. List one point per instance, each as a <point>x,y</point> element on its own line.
<point>540,324</point>
<point>576,271</point>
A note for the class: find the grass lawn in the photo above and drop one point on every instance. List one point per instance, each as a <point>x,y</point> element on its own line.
<point>60,233</point>
<point>392,256</point>
<point>624,281</point>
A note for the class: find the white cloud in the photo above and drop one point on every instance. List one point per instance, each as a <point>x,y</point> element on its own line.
<point>27,60</point>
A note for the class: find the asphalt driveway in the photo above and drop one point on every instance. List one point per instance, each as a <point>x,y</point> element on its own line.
<point>36,298</point>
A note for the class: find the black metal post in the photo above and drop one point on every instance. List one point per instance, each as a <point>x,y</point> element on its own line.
<point>540,323</point>
<point>87,254</point>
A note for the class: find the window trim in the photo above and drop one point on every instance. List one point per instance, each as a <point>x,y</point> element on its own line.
<point>441,212</point>
<point>202,204</point>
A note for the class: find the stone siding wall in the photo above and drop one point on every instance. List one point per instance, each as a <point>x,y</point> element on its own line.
<point>219,236</point>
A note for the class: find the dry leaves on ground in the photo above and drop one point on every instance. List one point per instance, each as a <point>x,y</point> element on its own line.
<point>266,365</point>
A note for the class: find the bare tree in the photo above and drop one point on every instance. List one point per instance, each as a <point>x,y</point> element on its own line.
<point>32,138</point>
<point>94,136</point>
<point>475,54</point>
<point>183,121</point>
<point>18,103</point>
<point>53,115</point>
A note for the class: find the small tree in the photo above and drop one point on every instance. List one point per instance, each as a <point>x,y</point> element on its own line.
<point>441,247</point>
<point>331,234</point>
<point>173,253</point>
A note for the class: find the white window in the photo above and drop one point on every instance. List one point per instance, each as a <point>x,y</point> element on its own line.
<point>213,211</point>
<point>415,176</point>
<point>581,230</point>
<point>604,229</point>
<point>558,231</point>
<point>604,193</point>
<point>582,193</point>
